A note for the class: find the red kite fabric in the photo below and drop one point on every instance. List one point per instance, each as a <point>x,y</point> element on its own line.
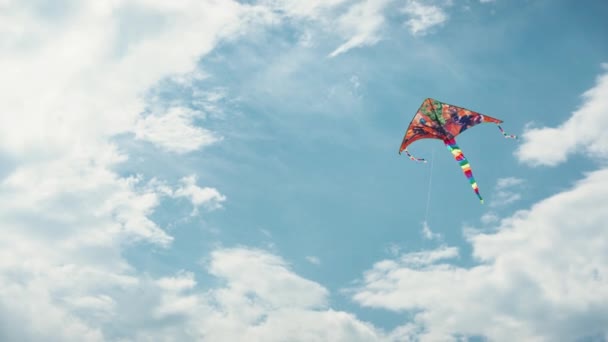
<point>439,120</point>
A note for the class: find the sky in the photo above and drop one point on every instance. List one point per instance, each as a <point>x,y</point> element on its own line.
<point>220,170</point>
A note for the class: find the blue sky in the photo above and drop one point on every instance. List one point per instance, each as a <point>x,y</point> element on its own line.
<point>220,170</point>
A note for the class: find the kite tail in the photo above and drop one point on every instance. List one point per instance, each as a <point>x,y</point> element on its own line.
<point>414,158</point>
<point>464,164</point>
<point>505,134</point>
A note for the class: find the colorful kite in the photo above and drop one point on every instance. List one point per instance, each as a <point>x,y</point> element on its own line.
<point>438,120</point>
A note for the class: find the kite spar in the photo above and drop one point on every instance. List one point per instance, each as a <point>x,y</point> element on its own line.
<point>438,120</point>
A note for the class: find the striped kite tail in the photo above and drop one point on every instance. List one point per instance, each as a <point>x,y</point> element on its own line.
<point>508,136</point>
<point>464,164</point>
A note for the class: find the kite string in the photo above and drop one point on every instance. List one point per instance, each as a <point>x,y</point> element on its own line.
<point>428,194</point>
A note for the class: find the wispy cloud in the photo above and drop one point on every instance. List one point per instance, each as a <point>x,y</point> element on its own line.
<point>313,260</point>
<point>427,233</point>
<point>507,191</point>
<point>362,23</point>
<point>489,218</point>
<point>423,17</point>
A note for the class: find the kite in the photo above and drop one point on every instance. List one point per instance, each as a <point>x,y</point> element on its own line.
<point>438,120</point>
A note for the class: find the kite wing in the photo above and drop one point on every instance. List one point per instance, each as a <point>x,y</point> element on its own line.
<point>424,125</point>
<point>457,119</point>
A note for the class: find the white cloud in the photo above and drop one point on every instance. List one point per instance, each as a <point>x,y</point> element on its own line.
<point>423,17</point>
<point>182,281</point>
<point>75,79</point>
<point>261,299</point>
<point>72,80</point>
<point>429,257</point>
<point>174,131</point>
<point>95,66</point>
<point>584,131</point>
<point>486,1</point>
<point>546,260</point>
<point>206,196</point>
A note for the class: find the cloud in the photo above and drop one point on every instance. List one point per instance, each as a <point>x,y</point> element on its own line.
<point>423,17</point>
<point>505,191</point>
<point>507,182</point>
<point>73,79</point>
<point>260,299</point>
<point>427,233</point>
<point>208,197</point>
<point>313,260</point>
<point>582,132</point>
<point>95,66</point>
<point>313,9</point>
<point>174,131</point>
<point>548,259</point>
<point>489,218</point>
<point>362,23</point>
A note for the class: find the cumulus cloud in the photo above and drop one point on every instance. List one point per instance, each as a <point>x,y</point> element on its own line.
<point>209,197</point>
<point>73,80</point>
<point>540,262</point>
<point>583,132</point>
<point>261,299</point>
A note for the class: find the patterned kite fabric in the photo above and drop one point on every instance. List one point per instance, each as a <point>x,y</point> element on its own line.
<point>464,164</point>
<point>414,158</point>
<point>511,136</point>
